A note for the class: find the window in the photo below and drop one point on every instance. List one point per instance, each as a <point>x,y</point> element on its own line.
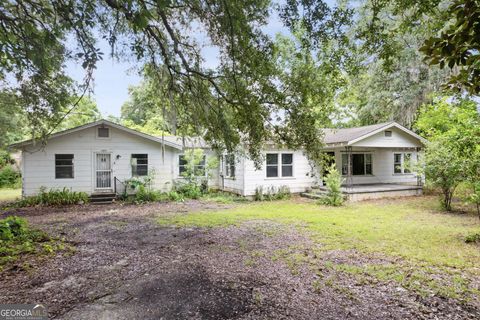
<point>276,168</point>
<point>287,165</point>
<point>368,163</point>
<point>198,169</point>
<point>139,164</point>
<point>401,161</point>
<point>182,165</point>
<point>230,165</point>
<point>103,132</point>
<point>344,164</point>
<point>272,165</point>
<point>388,133</point>
<point>63,166</point>
<point>362,164</point>
<point>406,162</point>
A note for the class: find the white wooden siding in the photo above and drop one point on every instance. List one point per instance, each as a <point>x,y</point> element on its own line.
<point>399,139</point>
<point>234,184</point>
<point>39,165</point>
<point>302,175</point>
<point>213,180</point>
<point>382,162</point>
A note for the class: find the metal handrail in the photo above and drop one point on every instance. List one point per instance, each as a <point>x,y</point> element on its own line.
<point>115,180</point>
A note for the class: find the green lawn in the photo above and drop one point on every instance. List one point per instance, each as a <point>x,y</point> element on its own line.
<point>7,195</point>
<point>423,247</point>
<point>412,228</point>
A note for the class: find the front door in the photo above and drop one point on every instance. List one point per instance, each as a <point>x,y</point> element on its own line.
<point>103,171</point>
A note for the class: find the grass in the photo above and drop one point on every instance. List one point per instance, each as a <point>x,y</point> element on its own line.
<point>10,195</point>
<point>413,229</point>
<point>421,248</point>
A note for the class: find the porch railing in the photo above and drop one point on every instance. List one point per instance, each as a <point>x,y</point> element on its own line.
<point>119,187</point>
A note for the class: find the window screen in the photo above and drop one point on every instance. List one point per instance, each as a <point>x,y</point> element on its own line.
<point>397,163</point>
<point>63,166</point>
<point>139,164</point>
<point>388,133</point>
<point>344,164</point>
<point>407,157</point>
<point>198,169</point>
<point>287,165</point>
<point>103,132</point>
<point>272,165</point>
<point>230,165</point>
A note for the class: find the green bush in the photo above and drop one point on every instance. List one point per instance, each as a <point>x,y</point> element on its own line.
<point>12,227</point>
<point>272,193</point>
<point>54,197</point>
<point>190,190</point>
<point>144,195</point>
<point>9,177</point>
<point>17,238</point>
<point>473,238</point>
<point>333,181</point>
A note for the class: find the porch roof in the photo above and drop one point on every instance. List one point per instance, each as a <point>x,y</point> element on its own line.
<point>349,136</point>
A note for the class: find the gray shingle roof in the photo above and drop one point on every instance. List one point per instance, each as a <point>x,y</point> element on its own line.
<point>349,134</point>
<point>188,142</point>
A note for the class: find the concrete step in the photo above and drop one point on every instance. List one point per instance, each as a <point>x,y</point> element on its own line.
<point>102,198</point>
<point>312,195</point>
<point>102,202</point>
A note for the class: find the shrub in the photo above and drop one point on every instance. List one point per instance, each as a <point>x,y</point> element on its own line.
<point>54,198</point>
<point>259,196</point>
<point>272,193</point>
<point>144,195</point>
<point>333,181</point>
<point>17,238</point>
<point>283,192</point>
<point>9,177</point>
<point>189,190</point>
<point>12,227</point>
<point>473,238</point>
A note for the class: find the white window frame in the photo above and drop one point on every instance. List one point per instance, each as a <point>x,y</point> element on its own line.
<point>136,164</point>
<point>229,163</point>
<point>280,165</point>
<point>64,166</point>
<point>103,138</point>
<point>401,164</point>
<point>204,166</point>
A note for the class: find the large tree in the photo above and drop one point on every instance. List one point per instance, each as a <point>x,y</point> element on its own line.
<point>230,102</point>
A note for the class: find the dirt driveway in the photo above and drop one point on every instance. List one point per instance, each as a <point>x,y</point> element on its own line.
<point>126,266</point>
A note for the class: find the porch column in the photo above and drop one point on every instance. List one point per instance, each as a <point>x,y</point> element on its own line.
<point>419,177</point>
<point>349,167</point>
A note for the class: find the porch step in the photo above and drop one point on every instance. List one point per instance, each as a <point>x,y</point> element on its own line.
<point>102,198</point>
<point>314,194</point>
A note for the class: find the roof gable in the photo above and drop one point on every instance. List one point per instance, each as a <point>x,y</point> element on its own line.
<point>350,136</point>
<point>102,122</point>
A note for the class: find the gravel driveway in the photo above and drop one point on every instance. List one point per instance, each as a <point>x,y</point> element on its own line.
<point>125,266</point>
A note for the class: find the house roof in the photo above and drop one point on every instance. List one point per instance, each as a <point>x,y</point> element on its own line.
<point>188,142</point>
<point>349,136</point>
<point>103,122</point>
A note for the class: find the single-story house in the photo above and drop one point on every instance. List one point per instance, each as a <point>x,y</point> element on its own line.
<point>98,157</point>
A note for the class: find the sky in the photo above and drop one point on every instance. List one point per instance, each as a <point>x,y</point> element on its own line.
<point>112,78</point>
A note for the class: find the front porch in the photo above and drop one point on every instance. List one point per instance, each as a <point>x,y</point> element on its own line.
<point>359,192</point>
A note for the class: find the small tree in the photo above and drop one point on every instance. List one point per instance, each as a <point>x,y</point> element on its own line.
<point>198,169</point>
<point>443,168</point>
<point>333,181</point>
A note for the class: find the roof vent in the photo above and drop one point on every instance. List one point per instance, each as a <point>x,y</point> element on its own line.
<point>103,132</point>
<point>388,133</point>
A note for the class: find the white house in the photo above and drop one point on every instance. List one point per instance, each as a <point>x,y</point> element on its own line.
<point>100,156</point>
